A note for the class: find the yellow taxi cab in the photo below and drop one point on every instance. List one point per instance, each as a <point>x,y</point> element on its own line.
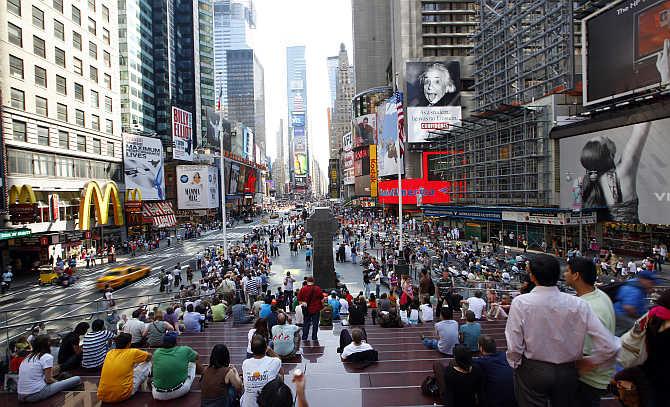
<point>119,276</point>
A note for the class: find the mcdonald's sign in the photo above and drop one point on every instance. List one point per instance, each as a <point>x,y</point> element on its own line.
<point>91,193</point>
<point>134,194</point>
<point>23,195</point>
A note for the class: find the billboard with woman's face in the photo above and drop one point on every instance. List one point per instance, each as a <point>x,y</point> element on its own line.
<point>623,173</point>
<point>433,98</point>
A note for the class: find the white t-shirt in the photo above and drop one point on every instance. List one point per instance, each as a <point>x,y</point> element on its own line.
<point>426,312</point>
<point>344,307</point>
<point>476,305</point>
<point>256,373</point>
<point>250,335</point>
<point>353,348</point>
<point>31,374</point>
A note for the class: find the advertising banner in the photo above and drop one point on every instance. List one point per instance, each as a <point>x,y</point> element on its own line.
<point>626,49</point>
<point>347,142</point>
<point>300,164</point>
<point>215,129</point>
<point>241,179</point>
<point>621,172</point>
<point>297,120</point>
<point>431,192</point>
<point>197,187</point>
<point>388,158</point>
<point>248,151</point>
<point>182,134</point>
<point>433,98</point>
<point>233,177</point>
<point>143,166</point>
<point>373,170</point>
<point>299,144</point>
<point>365,130</point>
<point>362,186</point>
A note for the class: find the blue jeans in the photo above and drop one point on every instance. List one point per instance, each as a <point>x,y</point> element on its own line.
<point>430,343</point>
<point>313,321</point>
<point>51,389</point>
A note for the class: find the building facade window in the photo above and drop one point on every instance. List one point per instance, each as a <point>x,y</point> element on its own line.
<point>15,67</point>
<point>42,136</point>
<point>91,5</point>
<point>19,131</point>
<point>95,99</point>
<point>106,37</point>
<point>97,146</point>
<point>108,81</point>
<point>59,57</point>
<point>38,18</point>
<point>109,126</point>
<point>79,118</point>
<point>76,40</point>
<point>40,76</point>
<point>95,122</point>
<point>93,73</point>
<point>63,139</point>
<point>61,111</point>
<point>77,66</point>
<point>58,5</point>
<point>107,58</point>
<point>38,47</point>
<point>79,92</point>
<point>81,143</point>
<point>91,26</point>
<point>76,15</point>
<point>61,85</point>
<point>108,104</point>
<point>105,13</point>
<point>41,106</point>
<point>110,148</point>
<point>14,35</point>
<point>93,50</point>
<point>59,30</point>
<point>18,99</point>
<point>14,7</point>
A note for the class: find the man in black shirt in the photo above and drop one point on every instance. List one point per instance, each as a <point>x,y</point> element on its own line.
<point>70,353</point>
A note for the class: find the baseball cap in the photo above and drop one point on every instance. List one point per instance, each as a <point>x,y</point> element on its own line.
<point>170,339</point>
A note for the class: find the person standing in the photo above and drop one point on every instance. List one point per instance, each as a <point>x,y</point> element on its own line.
<point>581,275</point>
<point>310,297</point>
<point>545,366</point>
<point>7,279</point>
<point>288,289</point>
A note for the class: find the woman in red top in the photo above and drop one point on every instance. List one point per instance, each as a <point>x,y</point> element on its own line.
<point>372,304</point>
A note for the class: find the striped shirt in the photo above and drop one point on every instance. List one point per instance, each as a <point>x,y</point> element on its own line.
<point>253,286</point>
<point>95,347</point>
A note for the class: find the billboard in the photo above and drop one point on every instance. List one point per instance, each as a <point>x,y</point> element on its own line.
<point>348,167</point>
<point>623,173</point>
<point>347,142</point>
<point>362,186</point>
<point>433,98</point>
<point>143,166</point>
<point>300,164</point>
<point>233,178</point>
<point>299,144</point>
<point>197,187</point>
<point>388,156</point>
<point>362,162</point>
<point>217,127</point>
<point>626,49</point>
<point>365,130</point>
<point>297,120</point>
<point>248,146</point>
<point>373,170</point>
<point>430,192</point>
<point>182,134</point>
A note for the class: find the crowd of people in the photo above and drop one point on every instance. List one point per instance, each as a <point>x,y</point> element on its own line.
<point>562,349</point>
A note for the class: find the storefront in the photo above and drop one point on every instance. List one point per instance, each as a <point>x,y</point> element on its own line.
<point>634,239</point>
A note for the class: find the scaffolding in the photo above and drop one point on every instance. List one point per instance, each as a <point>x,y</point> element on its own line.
<point>497,158</point>
<point>524,50</point>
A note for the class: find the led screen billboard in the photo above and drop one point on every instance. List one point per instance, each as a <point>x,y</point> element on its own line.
<point>388,157</point>
<point>623,173</point>
<point>626,49</point>
<point>365,132</point>
<point>433,98</point>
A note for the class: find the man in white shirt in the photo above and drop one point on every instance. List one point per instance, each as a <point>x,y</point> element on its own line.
<point>632,267</point>
<point>357,344</point>
<point>257,371</point>
<point>476,304</point>
<point>545,333</point>
<point>135,328</point>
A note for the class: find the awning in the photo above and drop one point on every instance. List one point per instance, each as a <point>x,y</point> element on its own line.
<point>159,214</point>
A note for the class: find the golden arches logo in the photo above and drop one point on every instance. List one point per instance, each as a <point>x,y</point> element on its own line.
<point>134,194</point>
<point>92,192</point>
<point>22,194</point>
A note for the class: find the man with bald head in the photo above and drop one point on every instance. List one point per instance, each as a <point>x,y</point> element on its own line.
<point>286,337</point>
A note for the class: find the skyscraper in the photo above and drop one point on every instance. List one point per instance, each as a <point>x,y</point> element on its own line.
<point>165,69</point>
<point>332,64</point>
<point>341,120</point>
<point>372,42</point>
<point>296,94</point>
<point>246,92</point>
<point>233,22</point>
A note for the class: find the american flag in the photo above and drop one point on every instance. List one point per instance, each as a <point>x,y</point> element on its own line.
<point>397,96</point>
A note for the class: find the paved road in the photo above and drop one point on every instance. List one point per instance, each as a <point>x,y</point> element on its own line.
<point>83,293</point>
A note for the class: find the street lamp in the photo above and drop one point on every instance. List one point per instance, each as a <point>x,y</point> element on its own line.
<point>223,199</point>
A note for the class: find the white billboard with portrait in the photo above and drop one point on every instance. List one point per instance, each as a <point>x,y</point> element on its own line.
<point>143,166</point>
<point>433,98</point>
<point>197,187</point>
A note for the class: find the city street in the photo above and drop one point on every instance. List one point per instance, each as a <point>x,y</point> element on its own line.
<point>25,305</point>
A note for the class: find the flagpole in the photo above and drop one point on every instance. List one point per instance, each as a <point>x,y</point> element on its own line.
<point>400,148</point>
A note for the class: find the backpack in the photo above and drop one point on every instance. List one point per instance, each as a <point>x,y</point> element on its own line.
<point>429,387</point>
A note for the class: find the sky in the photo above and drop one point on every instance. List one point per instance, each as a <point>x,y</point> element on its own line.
<point>319,25</point>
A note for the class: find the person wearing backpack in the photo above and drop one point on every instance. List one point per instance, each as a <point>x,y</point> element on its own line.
<point>631,300</point>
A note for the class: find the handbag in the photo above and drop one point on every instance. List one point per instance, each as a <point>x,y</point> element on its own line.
<point>430,388</point>
<point>633,344</point>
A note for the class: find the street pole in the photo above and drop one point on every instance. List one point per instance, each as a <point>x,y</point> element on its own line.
<point>223,197</point>
<point>580,231</point>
